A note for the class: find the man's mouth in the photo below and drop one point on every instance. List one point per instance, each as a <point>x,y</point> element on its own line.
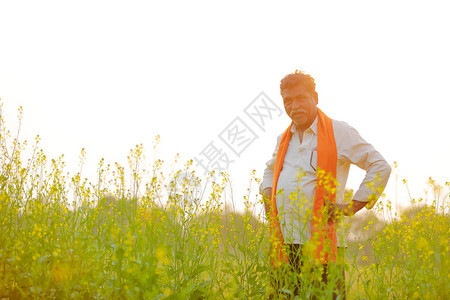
<point>300,113</point>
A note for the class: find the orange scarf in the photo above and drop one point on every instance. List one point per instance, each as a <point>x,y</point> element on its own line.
<point>323,234</point>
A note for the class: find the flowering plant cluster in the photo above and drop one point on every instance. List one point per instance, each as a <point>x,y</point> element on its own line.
<point>134,234</point>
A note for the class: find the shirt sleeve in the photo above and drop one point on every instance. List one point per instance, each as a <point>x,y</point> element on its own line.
<point>359,152</point>
<point>267,180</point>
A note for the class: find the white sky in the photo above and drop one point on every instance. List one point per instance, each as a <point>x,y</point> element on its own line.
<point>107,75</point>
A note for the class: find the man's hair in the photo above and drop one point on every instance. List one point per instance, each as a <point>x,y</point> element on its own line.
<point>298,78</point>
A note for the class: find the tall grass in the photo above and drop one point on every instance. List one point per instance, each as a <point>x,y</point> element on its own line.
<point>135,234</point>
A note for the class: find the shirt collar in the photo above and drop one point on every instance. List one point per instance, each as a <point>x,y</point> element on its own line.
<point>313,127</point>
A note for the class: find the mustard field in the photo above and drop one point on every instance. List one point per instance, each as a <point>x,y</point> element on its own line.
<point>137,233</point>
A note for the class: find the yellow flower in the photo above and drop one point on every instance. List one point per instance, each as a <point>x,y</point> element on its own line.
<point>161,255</point>
<point>422,244</point>
<point>60,272</point>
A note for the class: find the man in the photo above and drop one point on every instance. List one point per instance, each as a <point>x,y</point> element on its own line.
<point>304,182</point>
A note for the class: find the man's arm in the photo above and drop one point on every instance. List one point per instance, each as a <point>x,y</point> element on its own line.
<point>355,150</point>
<point>362,154</point>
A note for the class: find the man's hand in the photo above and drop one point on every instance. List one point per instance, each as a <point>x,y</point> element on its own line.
<point>346,209</point>
<point>267,194</point>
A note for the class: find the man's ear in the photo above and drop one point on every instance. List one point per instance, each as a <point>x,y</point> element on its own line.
<point>316,96</point>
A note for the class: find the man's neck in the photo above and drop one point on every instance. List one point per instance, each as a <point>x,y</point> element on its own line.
<point>301,129</point>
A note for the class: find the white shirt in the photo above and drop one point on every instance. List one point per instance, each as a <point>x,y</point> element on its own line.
<point>298,177</point>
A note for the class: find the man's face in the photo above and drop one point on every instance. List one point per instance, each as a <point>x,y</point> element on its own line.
<point>300,105</point>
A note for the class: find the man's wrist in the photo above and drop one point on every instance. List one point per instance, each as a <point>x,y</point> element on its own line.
<point>349,209</point>
<point>356,206</point>
<point>346,209</point>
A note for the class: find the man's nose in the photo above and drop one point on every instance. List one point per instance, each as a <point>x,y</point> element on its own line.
<point>295,104</point>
